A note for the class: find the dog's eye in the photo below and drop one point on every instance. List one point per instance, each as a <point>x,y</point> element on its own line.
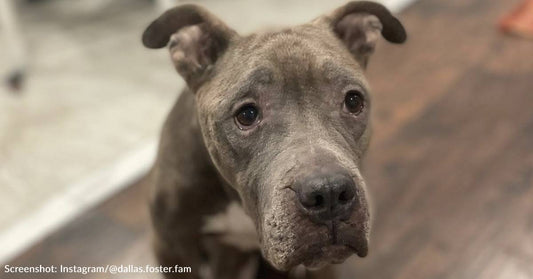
<point>246,116</point>
<point>353,102</point>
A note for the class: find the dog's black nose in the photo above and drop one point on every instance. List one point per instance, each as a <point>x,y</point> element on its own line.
<point>327,197</point>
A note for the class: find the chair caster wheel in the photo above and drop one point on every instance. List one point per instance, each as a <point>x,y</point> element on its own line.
<point>15,80</point>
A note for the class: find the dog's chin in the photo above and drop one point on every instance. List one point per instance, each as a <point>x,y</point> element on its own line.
<point>333,254</point>
<point>317,253</point>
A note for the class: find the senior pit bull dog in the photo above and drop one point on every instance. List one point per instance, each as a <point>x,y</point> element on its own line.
<point>262,150</point>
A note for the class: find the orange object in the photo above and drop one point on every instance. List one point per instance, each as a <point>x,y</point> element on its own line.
<point>519,21</point>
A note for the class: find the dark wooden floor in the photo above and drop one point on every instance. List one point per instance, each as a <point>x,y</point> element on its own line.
<point>450,166</point>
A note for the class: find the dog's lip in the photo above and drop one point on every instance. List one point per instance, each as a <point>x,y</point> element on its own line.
<point>359,245</point>
<point>361,250</point>
<point>327,252</point>
<point>319,258</point>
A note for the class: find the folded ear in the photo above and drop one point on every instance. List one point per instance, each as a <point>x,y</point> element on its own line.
<point>197,39</point>
<point>359,23</point>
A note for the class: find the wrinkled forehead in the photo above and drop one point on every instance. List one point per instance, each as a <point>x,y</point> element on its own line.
<point>289,59</point>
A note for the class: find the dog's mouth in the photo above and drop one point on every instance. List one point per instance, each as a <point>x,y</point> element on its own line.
<point>332,254</point>
<point>339,245</point>
<point>333,245</point>
<point>345,237</point>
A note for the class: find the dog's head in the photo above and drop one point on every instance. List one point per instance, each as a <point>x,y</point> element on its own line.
<point>285,117</point>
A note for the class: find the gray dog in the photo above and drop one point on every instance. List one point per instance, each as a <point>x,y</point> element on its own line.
<point>258,170</point>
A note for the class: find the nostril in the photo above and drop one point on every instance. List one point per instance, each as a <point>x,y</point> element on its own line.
<point>313,200</point>
<point>319,201</point>
<point>343,197</point>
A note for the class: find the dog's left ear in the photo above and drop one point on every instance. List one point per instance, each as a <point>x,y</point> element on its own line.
<point>359,23</point>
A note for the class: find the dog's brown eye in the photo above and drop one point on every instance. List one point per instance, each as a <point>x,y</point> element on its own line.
<point>353,102</point>
<point>247,115</point>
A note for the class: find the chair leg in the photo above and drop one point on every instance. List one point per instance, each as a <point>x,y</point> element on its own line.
<point>15,45</point>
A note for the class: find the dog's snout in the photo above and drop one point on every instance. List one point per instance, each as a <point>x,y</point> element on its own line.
<point>327,197</point>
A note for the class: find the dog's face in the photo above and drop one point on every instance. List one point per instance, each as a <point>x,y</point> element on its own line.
<point>285,117</point>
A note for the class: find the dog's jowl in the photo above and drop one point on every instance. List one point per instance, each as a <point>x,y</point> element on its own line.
<point>258,168</point>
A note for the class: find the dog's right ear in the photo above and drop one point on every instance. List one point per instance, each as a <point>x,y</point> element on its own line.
<point>195,37</point>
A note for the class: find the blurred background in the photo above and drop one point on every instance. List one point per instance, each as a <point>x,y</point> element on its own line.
<point>450,168</point>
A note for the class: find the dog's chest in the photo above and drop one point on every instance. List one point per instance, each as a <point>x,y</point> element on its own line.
<point>231,244</point>
<point>233,228</point>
